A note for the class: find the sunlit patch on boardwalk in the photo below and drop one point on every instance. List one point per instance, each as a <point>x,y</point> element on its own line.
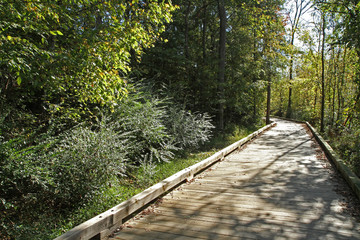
<point>275,188</point>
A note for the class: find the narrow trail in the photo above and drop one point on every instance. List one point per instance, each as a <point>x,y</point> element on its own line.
<point>274,188</point>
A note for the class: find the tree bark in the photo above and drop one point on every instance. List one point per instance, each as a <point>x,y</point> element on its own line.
<point>186,33</point>
<point>341,85</point>
<point>322,75</point>
<point>222,62</point>
<point>289,107</point>
<point>204,32</point>
<point>268,101</point>
<point>301,7</point>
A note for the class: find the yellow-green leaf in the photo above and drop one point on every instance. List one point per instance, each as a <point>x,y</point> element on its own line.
<point>18,80</point>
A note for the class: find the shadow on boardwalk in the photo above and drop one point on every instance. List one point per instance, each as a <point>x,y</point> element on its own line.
<point>275,188</point>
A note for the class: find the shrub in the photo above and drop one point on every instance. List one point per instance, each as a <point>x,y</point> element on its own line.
<point>56,174</point>
<point>348,145</point>
<point>144,118</point>
<point>85,159</point>
<point>187,129</point>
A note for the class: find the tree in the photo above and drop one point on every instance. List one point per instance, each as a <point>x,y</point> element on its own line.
<point>194,77</point>
<point>222,61</point>
<point>322,72</point>
<point>300,8</point>
<point>349,25</point>
<point>71,57</point>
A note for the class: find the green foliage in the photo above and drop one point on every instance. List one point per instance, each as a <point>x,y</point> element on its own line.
<point>63,59</point>
<point>144,118</point>
<point>83,160</point>
<point>347,143</point>
<point>55,175</point>
<point>48,174</point>
<point>188,63</point>
<point>188,129</point>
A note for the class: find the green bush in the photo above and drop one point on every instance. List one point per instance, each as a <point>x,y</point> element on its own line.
<point>347,143</point>
<point>56,174</point>
<point>187,129</point>
<point>85,159</point>
<point>144,118</point>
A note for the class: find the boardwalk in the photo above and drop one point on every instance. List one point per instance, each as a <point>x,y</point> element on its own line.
<point>275,188</point>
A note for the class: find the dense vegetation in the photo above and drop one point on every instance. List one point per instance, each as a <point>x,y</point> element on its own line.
<point>325,66</point>
<point>98,97</point>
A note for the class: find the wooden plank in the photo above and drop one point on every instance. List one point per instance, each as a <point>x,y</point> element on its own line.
<point>293,191</point>
<point>142,234</point>
<point>269,195</point>
<point>244,207</point>
<point>320,183</point>
<point>241,223</point>
<point>256,229</point>
<point>269,218</point>
<point>215,198</point>
<point>179,233</point>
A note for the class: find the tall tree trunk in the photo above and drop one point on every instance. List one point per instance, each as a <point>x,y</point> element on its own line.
<point>204,32</point>
<point>289,107</point>
<point>222,61</point>
<point>335,83</point>
<point>315,101</point>
<point>268,100</point>
<point>255,57</point>
<point>186,33</point>
<point>322,75</point>
<point>255,104</point>
<point>341,85</point>
<point>301,7</point>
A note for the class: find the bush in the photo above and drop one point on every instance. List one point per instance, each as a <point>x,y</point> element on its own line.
<point>85,159</point>
<point>187,129</point>
<point>144,119</point>
<point>56,174</point>
<point>348,145</point>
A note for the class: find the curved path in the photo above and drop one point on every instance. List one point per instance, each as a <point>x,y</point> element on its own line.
<point>275,188</point>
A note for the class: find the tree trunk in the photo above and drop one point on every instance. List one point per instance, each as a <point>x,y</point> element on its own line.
<point>222,59</point>
<point>204,32</point>
<point>254,75</point>
<point>335,83</point>
<point>322,75</point>
<point>341,85</point>
<point>301,7</point>
<point>268,101</point>
<point>186,33</point>
<point>289,107</point>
